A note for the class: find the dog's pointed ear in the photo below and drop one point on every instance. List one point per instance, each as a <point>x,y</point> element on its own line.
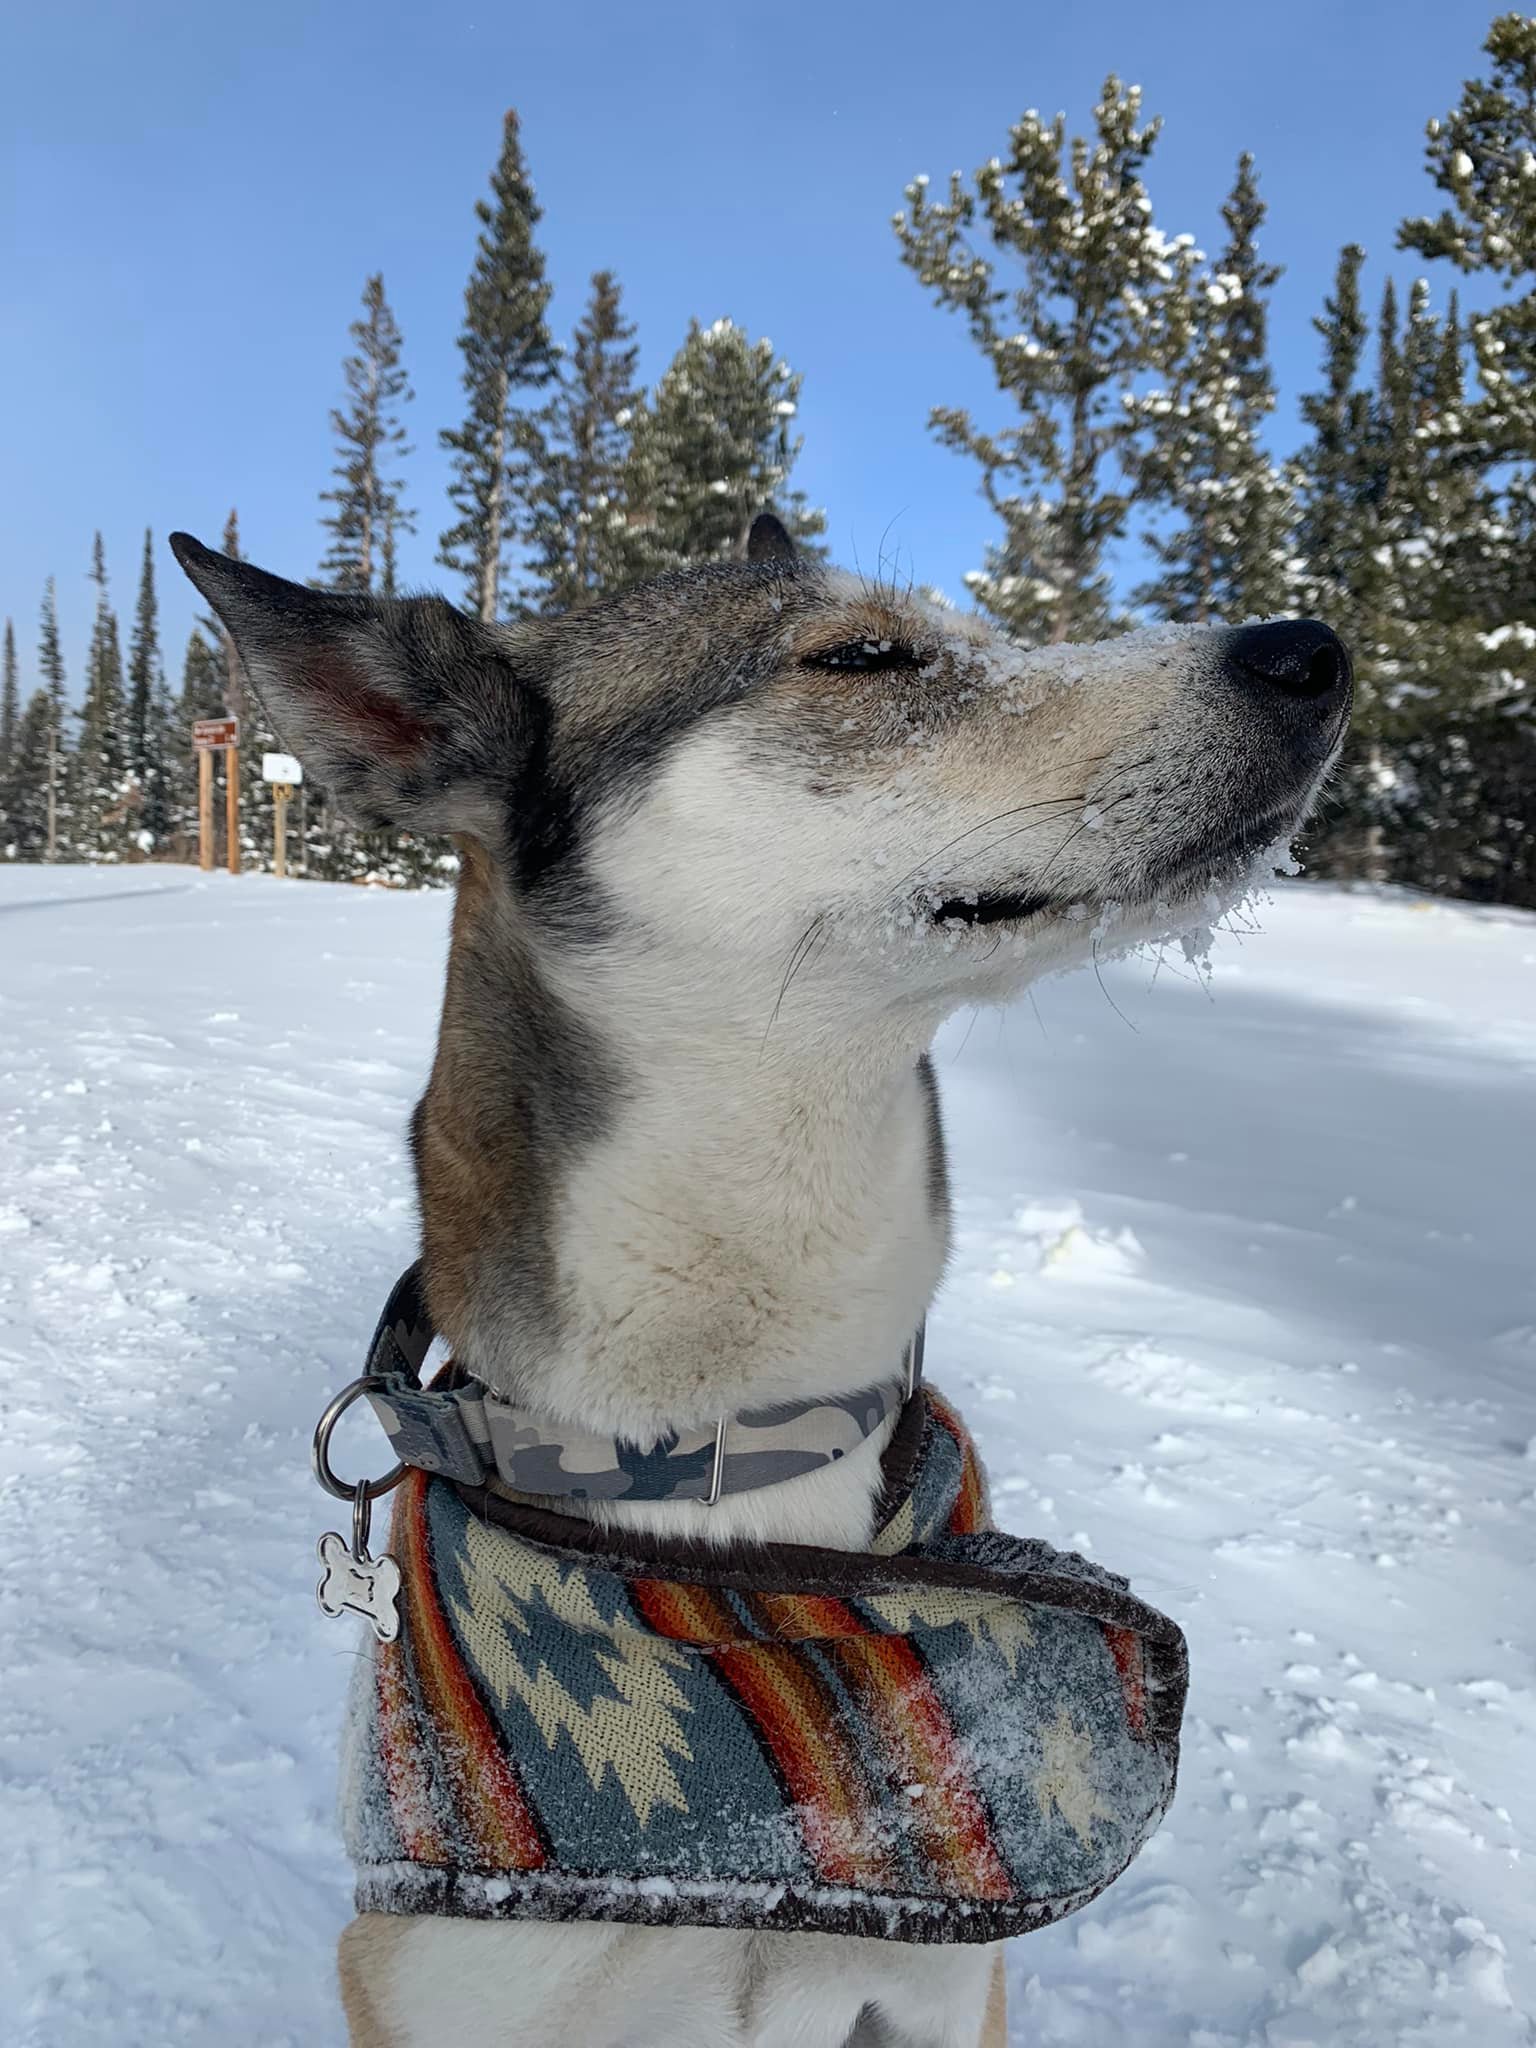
<point>408,710</point>
<point>768,540</point>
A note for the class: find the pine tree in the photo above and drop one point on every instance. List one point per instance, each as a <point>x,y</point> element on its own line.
<point>50,666</point>
<point>10,716</point>
<point>100,791</point>
<point>571,458</point>
<point>234,672</point>
<point>10,708</point>
<point>1480,781</point>
<point>1432,670</point>
<point>1393,538</point>
<point>711,449</point>
<point>203,683</point>
<point>370,513</point>
<point>1226,554</point>
<point>150,735</point>
<point>1336,475</point>
<point>50,659</point>
<point>1340,483</point>
<point>24,784</point>
<point>1482,156</point>
<point>1066,345</point>
<point>143,660</point>
<point>369,517</point>
<point>507,350</point>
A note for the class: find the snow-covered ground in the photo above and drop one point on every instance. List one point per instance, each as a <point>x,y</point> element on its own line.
<point>1242,1304</point>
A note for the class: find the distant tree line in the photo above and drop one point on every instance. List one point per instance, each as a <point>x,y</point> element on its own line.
<point>1134,391</point>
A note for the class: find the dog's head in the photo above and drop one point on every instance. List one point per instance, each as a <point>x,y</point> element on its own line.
<point>771,772</point>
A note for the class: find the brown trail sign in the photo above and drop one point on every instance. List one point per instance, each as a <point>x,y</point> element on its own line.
<point>211,736</point>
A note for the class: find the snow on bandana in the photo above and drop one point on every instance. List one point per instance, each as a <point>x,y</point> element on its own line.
<point>956,1736</point>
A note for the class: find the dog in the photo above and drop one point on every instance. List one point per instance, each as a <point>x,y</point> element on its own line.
<point>733,844</point>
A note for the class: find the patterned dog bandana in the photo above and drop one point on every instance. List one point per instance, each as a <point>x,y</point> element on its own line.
<point>956,1736</point>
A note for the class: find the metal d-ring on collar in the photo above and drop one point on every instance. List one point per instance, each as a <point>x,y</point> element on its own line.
<point>363,1492</point>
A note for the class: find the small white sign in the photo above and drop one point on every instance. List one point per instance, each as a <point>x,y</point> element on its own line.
<point>280,768</point>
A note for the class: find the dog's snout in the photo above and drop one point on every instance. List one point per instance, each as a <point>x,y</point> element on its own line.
<point>1297,658</point>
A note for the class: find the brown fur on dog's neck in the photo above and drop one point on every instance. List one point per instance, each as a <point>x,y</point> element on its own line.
<point>505,1100</point>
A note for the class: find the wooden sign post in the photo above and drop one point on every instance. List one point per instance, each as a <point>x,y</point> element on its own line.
<point>285,775</point>
<point>280,795</point>
<point>205,808</point>
<point>212,736</point>
<point>232,808</point>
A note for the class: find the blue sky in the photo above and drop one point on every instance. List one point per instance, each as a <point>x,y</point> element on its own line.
<point>191,198</point>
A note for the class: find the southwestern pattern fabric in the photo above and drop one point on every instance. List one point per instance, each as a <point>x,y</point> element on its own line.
<point>958,1736</point>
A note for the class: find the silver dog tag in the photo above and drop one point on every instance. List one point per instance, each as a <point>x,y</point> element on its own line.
<point>368,1586</point>
<point>354,1582</point>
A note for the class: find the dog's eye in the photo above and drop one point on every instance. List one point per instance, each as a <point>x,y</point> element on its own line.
<point>867,657</point>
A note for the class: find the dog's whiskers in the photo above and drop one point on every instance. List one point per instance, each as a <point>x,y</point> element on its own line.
<point>1081,826</point>
<point>1051,804</point>
<point>1104,992</point>
<point>804,946</point>
<point>1013,811</point>
<point>1019,830</point>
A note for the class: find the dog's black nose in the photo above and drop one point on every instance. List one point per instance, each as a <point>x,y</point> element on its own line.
<point>1297,657</point>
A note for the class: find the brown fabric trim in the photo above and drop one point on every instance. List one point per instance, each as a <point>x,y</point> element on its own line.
<point>810,1568</point>
<point>875,1916</point>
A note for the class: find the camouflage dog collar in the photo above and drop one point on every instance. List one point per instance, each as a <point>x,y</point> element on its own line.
<point>458,1429</point>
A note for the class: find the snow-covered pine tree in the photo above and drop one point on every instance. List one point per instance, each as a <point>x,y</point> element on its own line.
<point>507,351</point>
<point>50,666</point>
<point>1337,474</point>
<point>712,448</point>
<point>143,659</point>
<point>369,512</point>
<point>10,717</point>
<point>10,700</point>
<point>203,683</point>
<point>1392,540</point>
<point>1340,480</point>
<point>234,671</point>
<point>24,783</point>
<point>1226,552</point>
<point>150,737</point>
<point>1066,345</point>
<point>571,457</point>
<point>1482,158</point>
<point>102,798</point>
<point>1435,674</point>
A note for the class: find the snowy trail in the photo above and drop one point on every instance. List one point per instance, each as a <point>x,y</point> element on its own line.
<point>1241,1304</point>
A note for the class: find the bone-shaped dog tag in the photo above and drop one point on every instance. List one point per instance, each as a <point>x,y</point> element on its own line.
<point>364,1585</point>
